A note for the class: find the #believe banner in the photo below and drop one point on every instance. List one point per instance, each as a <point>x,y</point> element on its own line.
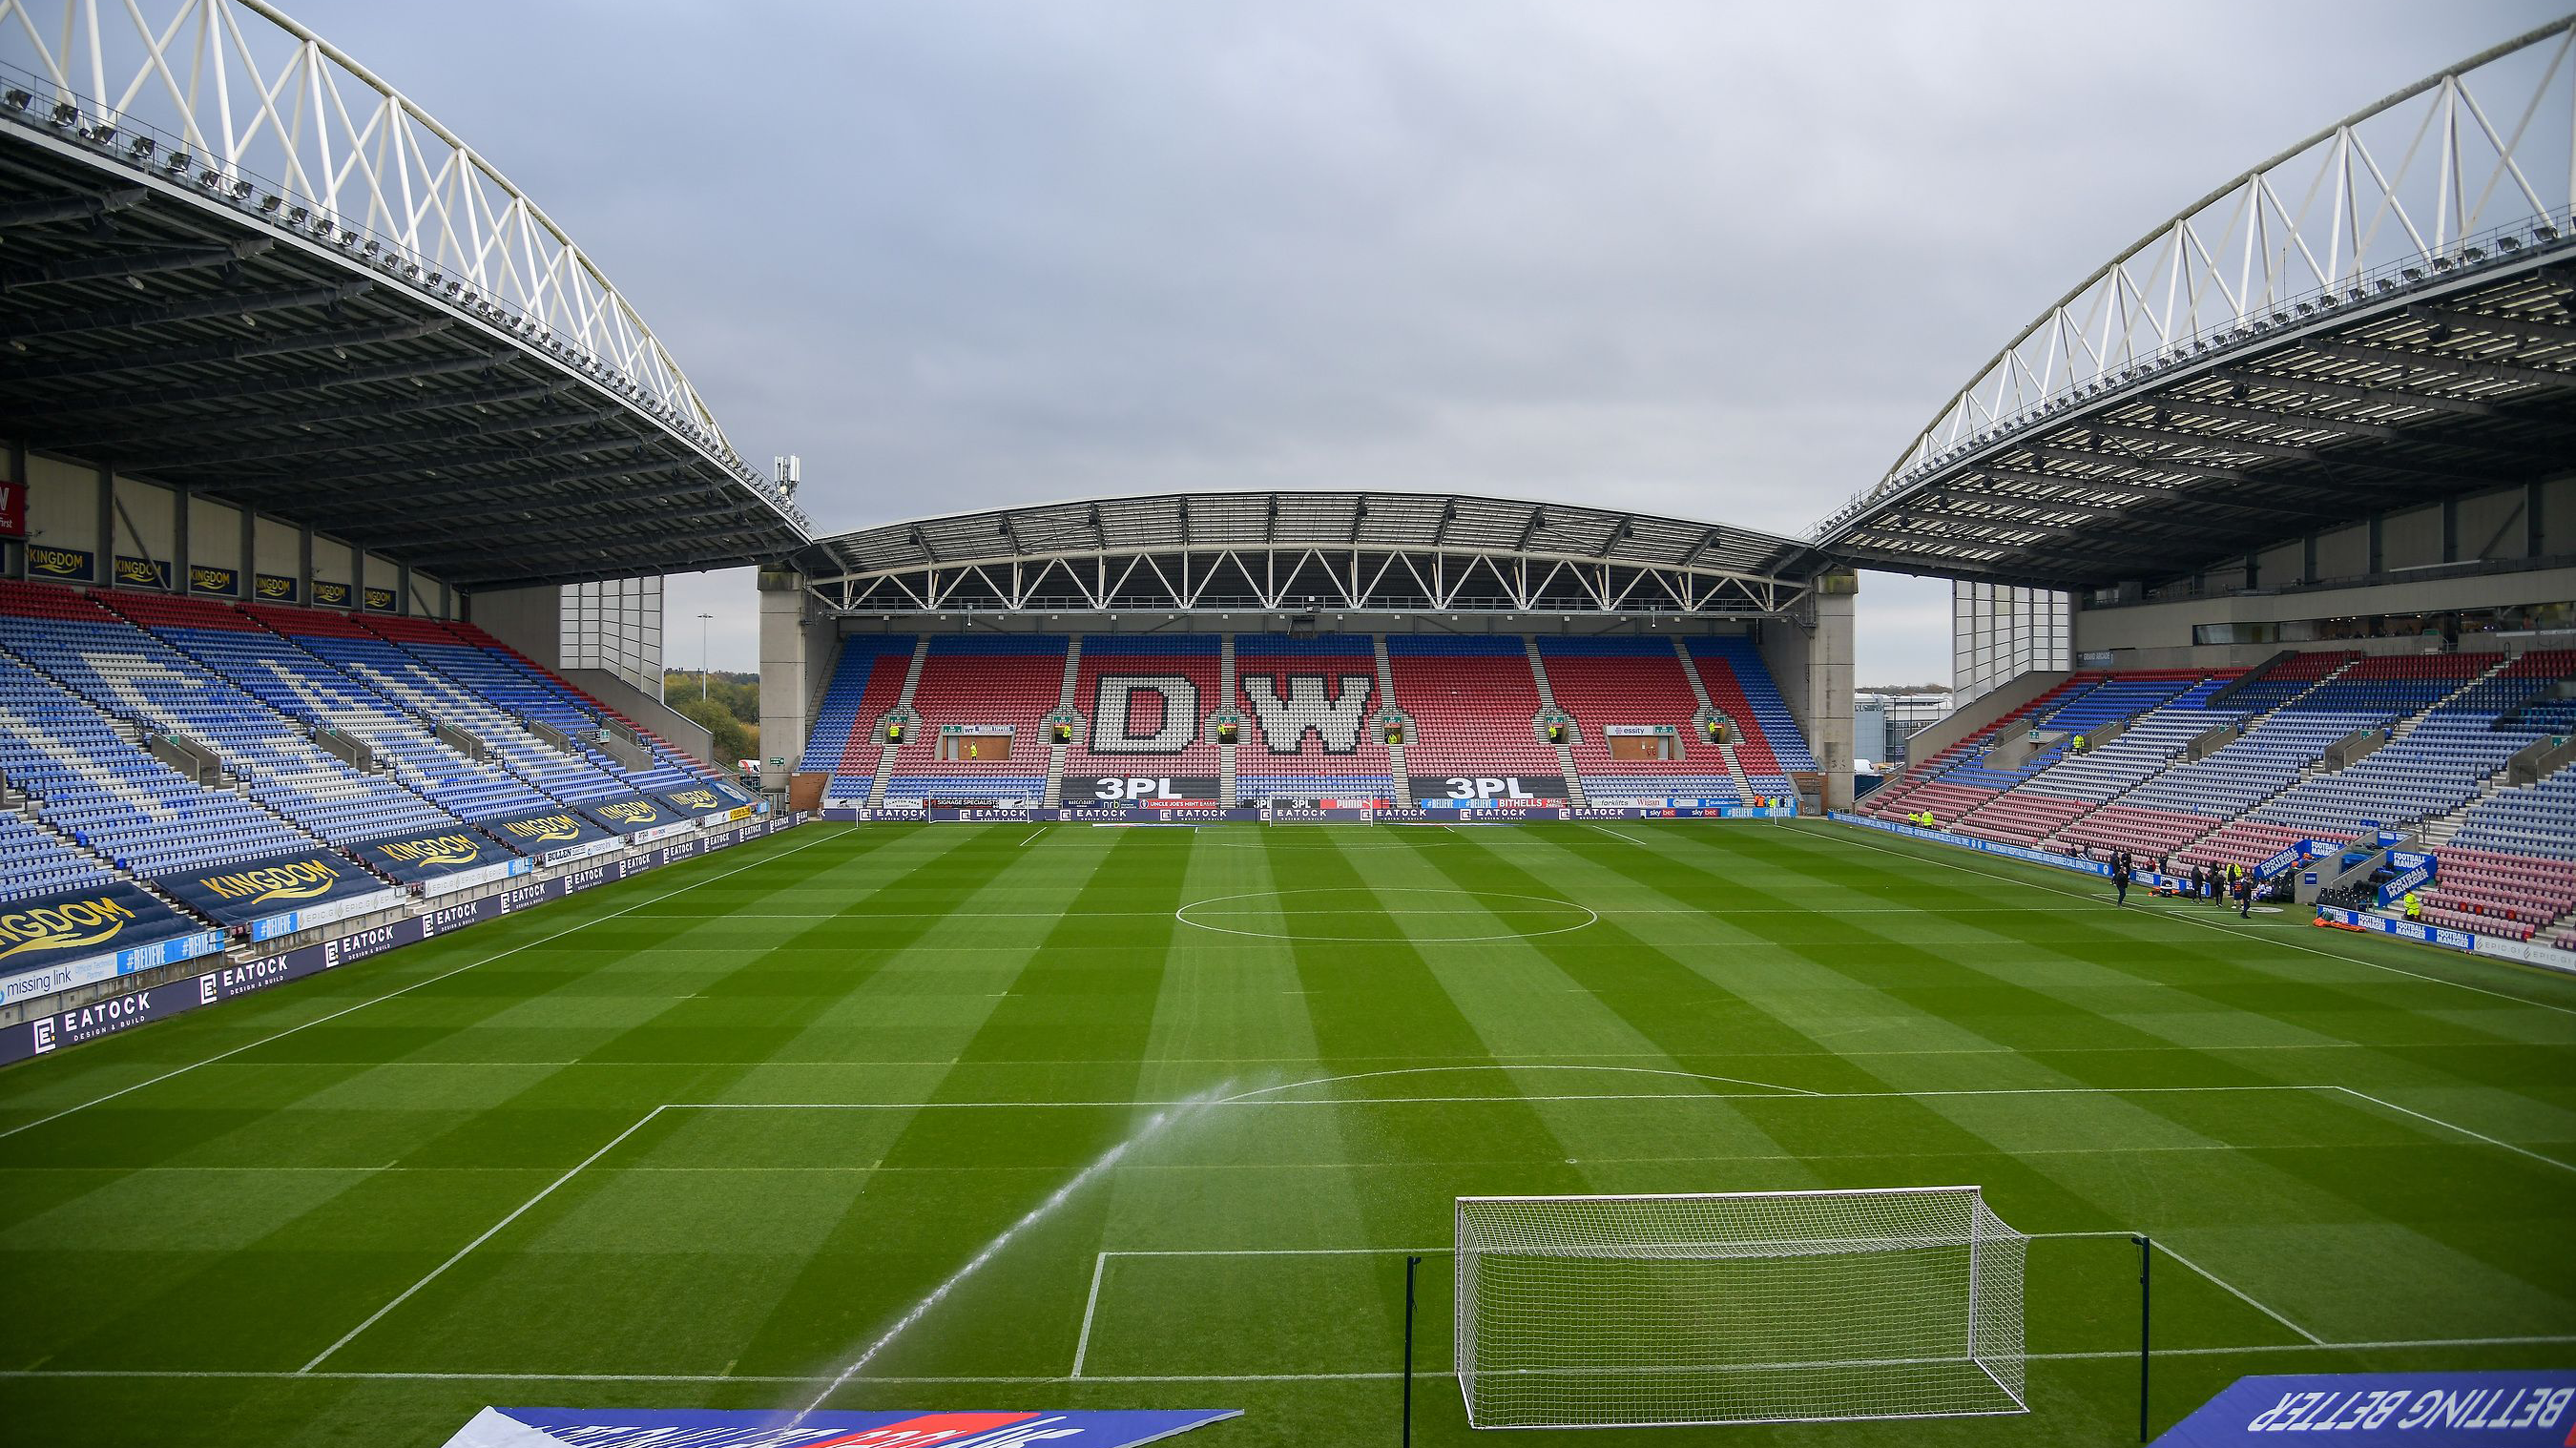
<point>713,1428</point>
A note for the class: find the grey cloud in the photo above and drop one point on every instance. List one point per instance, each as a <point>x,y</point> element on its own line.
<point>1717,260</point>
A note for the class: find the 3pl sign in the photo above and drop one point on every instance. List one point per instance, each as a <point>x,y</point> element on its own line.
<point>2387,1410</point>
<point>709,1428</point>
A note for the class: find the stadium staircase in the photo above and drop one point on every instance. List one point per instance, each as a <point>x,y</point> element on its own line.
<point>1063,705</point>
<point>1633,681</point>
<point>1228,789</point>
<point>1398,772</point>
<point>1564,752</point>
<point>903,710</point>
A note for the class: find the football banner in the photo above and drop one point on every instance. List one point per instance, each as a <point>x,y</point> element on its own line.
<point>420,857</point>
<point>54,942</point>
<point>1142,791</point>
<point>720,1428</point>
<point>547,832</point>
<point>629,813</point>
<point>13,510</point>
<point>259,889</point>
<point>2384,1410</point>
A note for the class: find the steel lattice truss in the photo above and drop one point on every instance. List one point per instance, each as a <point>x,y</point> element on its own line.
<point>253,111</point>
<point>1274,552</point>
<point>2375,316</point>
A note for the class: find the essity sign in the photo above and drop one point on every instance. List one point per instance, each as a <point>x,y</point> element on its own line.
<point>712,1428</point>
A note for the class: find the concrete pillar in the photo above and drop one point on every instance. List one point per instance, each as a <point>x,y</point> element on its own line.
<point>794,652</point>
<point>1810,658</point>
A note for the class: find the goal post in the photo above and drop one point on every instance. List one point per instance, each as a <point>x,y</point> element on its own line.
<point>1737,1307</point>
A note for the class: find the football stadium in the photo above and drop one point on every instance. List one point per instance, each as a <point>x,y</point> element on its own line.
<point>1276,965</point>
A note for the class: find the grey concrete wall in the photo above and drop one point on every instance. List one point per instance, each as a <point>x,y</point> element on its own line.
<point>796,656</point>
<point>527,619</point>
<point>2158,635</point>
<point>1810,658</point>
<point>1985,709</point>
<point>648,711</point>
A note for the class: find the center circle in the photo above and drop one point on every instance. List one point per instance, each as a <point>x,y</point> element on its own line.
<point>1388,915</point>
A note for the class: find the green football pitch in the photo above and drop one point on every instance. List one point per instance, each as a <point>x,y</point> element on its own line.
<point>700,1138</point>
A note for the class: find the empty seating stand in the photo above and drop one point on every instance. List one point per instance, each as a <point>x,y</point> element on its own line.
<point>1153,719</point>
<point>1308,706</point>
<point>1628,681</point>
<point>1473,702</point>
<point>981,680</point>
<point>866,684</point>
<point>304,686</point>
<point>132,675</point>
<point>1739,683</point>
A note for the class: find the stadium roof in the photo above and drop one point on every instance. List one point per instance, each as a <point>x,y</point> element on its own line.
<point>1349,549</point>
<point>334,311</point>
<point>2377,317</point>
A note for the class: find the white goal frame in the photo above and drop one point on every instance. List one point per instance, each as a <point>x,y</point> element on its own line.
<point>1964,1357</point>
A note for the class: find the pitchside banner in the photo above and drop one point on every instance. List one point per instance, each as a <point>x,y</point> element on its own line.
<point>2384,1410</point>
<point>1143,791</point>
<point>279,885</point>
<point>421,857</point>
<point>544,834</point>
<point>629,813</point>
<point>703,798</point>
<point>714,1428</point>
<point>103,1018</point>
<point>1489,786</point>
<point>55,942</point>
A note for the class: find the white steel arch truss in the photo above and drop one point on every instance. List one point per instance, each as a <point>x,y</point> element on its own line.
<point>236,102</point>
<point>1255,578</point>
<point>2472,168</point>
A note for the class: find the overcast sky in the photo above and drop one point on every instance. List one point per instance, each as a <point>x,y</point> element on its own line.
<point>1711,260</point>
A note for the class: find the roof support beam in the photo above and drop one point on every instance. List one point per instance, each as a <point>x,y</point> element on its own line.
<point>2127,487</point>
<point>350,442</point>
<point>396,405</point>
<point>2530,329</point>
<point>593,547</point>
<point>463,530</point>
<point>131,264</point>
<point>2322,457</point>
<point>230,304</point>
<point>70,208</point>
<point>438,466</point>
<point>338,505</point>
<point>2168,409</point>
<point>2389,395</point>
<point>2484,371</point>
<point>123,400</point>
<point>235,351</point>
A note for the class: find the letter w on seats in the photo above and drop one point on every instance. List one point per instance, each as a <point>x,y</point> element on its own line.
<point>1336,721</point>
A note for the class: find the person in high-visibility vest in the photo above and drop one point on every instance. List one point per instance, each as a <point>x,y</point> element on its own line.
<point>2079,743</point>
<point>974,751</point>
<point>2414,906</point>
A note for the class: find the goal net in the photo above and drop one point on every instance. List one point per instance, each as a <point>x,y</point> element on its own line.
<point>1743,1307</point>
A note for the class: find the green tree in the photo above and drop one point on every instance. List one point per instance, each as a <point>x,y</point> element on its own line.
<point>732,739</point>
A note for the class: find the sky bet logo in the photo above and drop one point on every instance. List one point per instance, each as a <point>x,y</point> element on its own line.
<point>546,827</point>
<point>630,812</point>
<point>436,850</point>
<point>297,880</point>
<point>68,926</point>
